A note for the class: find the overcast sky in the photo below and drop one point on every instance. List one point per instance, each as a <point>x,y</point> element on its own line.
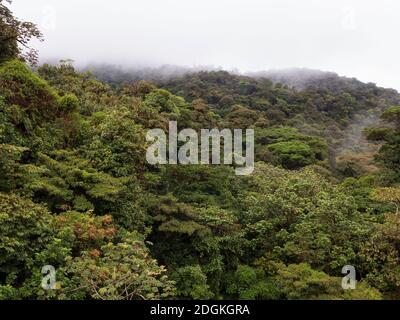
<point>356,38</point>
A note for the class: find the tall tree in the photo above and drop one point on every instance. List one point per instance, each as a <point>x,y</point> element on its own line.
<point>389,153</point>
<point>15,36</point>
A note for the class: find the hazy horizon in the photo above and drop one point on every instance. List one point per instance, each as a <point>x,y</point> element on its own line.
<point>351,38</point>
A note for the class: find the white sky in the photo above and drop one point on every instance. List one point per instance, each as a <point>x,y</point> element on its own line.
<point>356,38</point>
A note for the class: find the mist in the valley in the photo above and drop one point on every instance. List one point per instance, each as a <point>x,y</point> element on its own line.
<point>354,38</point>
<point>354,136</point>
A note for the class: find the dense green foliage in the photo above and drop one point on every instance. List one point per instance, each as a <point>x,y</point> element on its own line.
<point>77,193</point>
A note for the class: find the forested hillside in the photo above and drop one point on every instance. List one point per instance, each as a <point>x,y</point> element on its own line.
<point>77,193</point>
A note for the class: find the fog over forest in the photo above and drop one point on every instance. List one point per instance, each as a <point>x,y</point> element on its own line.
<point>352,38</point>
<point>206,151</point>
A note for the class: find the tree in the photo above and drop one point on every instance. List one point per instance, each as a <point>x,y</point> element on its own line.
<point>251,283</point>
<point>287,147</point>
<point>191,282</point>
<point>389,153</point>
<point>15,36</point>
<point>30,98</point>
<point>122,271</point>
<point>388,195</point>
<point>300,281</point>
<point>300,217</point>
<point>24,232</point>
<point>380,256</point>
